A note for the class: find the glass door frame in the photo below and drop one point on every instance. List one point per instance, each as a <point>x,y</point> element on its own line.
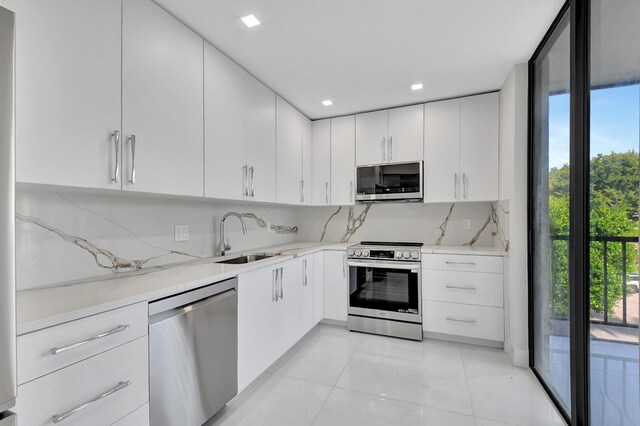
<point>579,147</point>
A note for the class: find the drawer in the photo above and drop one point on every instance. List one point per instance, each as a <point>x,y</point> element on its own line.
<point>117,327</point>
<point>60,392</point>
<point>480,322</point>
<point>472,288</point>
<point>463,262</point>
<point>140,417</point>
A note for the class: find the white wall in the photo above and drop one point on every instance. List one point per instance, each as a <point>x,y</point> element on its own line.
<point>131,227</point>
<point>513,196</point>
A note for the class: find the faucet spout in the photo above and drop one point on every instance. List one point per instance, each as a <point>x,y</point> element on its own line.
<point>224,246</point>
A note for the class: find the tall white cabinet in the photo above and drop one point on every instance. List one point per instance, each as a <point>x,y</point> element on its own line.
<point>239,132</point>
<point>307,162</point>
<point>289,184</point>
<point>390,136</point>
<point>461,149</point>
<point>321,168</point>
<point>162,102</point>
<point>68,84</point>
<point>343,134</point>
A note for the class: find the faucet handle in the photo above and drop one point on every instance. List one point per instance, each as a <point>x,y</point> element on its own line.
<point>227,246</point>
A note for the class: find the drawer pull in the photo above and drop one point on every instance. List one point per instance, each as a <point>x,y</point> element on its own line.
<point>118,329</point>
<point>469,321</point>
<point>461,263</point>
<point>57,418</point>
<point>461,287</point>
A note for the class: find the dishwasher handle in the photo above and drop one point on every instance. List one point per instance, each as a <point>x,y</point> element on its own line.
<point>183,300</point>
<point>204,303</point>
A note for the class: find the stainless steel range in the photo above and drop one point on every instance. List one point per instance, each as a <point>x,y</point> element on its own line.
<point>385,290</point>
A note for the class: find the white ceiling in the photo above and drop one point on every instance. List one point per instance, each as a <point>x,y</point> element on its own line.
<point>364,54</point>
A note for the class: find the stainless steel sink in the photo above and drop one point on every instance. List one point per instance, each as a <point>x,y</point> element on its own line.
<point>248,258</point>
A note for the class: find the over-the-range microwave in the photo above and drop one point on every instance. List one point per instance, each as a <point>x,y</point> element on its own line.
<point>399,182</point>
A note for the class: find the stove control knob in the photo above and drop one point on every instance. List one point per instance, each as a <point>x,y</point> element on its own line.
<point>405,254</point>
<point>398,255</point>
<point>358,252</point>
<point>350,252</point>
<point>365,253</point>
<point>414,255</point>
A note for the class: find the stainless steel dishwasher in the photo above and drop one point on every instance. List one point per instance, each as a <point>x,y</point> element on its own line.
<point>193,353</point>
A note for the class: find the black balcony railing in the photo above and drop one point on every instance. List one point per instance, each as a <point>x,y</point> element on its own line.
<point>606,243</point>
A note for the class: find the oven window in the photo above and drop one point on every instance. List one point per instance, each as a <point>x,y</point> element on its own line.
<point>385,289</point>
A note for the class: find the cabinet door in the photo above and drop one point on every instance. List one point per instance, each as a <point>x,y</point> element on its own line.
<point>288,153</point>
<point>289,306</point>
<point>406,127</point>
<point>479,146</point>
<point>260,116</point>
<point>321,168</point>
<point>308,290</point>
<point>306,162</point>
<point>162,102</point>
<point>224,127</point>
<point>343,133</point>
<point>68,83</point>
<point>442,151</point>
<point>372,131</point>
<point>318,287</point>
<point>257,330</point>
<point>336,287</point>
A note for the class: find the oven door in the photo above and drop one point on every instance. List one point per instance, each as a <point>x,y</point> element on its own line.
<point>382,289</point>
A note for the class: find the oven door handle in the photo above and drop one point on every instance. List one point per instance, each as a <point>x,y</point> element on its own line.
<point>390,265</point>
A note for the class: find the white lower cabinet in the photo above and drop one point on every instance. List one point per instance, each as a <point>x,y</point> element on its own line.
<point>336,285</point>
<point>103,389</point>
<point>139,417</point>
<point>318,287</point>
<point>275,309</point>
<point>463,297</point>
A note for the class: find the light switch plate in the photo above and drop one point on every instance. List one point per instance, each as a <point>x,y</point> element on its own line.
<point>466,224</point>
<point>181,233</point>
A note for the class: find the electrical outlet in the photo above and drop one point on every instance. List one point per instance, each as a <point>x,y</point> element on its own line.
<point>181,233</point>
<point>269,227</point>
<point>466,224</point>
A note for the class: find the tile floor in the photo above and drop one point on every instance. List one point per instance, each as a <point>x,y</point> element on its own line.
<point>335,377</point>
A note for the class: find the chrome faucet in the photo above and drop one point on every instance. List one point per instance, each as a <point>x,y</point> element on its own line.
<point>224,246</point>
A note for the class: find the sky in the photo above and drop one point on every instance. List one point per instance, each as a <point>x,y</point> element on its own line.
<point>615,123</point>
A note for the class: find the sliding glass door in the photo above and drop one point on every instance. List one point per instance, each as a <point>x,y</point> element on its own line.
<point>584,204</point>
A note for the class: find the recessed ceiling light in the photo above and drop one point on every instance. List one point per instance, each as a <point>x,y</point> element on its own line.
<point>250,21</point>
<point>417,86</point>
<point>327,102</point>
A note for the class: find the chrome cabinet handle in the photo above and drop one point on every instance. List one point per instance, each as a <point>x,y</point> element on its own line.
<point>344,265</point>
<point>351,191</point>
<point>304,273</point>
<point>326,192</point>
<point>469,321</point>
<point>116,172</point>
<point>455,185</point>
<point>245,178</point>
<point>281,286</point>
<point>132,142</point>
<point>461,263</point>
<point>58,418</point>
<point>460,287</point>
<point>384,154</point>
<point>302,191</point>
<point>118,329</point>
<point>390,156</point>
<point>465,182</point>
<point>251,179</point>
<point>274,279</point>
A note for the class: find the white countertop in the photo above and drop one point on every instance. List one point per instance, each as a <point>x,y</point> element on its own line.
<point>49,306</point>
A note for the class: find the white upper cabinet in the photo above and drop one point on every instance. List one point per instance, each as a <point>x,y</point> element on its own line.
<point>307,160</point>
<point>372,130</point>
<point>442,151</point>
<point>162,102</point>
<point>343,144</point>
<point>390,136</point>
<point>406,139</point>
<point>68,85</point>
<point>321,168</point>
<point>288,153</point>
<point>479,146</point>
<point>239,153</point>
<point>461,149</point>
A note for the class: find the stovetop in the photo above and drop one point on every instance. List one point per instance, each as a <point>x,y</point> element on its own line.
<point>391,244</point>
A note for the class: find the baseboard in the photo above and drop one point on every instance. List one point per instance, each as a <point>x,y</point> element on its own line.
<point>520,358</point>
<point>333,322</point>
<point>462,339</point>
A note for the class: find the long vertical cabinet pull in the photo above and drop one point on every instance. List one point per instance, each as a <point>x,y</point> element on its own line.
<point>245,178</point>
<point>344,265</point>
<point>116,172</point>
<point>281,289</point>
<point>274,281</point>
<point>304,273</point>
<point>302,191</point>
<point>326,193</point>
<point>251,180</point>
<point>384,149</point>
<point>464,186</point>
<point>351,192</point>
<point>455,186</point>
<point>390,147</point>
<point>132,142</point>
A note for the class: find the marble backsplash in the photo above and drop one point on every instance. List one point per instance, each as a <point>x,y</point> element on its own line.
<point>66,235</point>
